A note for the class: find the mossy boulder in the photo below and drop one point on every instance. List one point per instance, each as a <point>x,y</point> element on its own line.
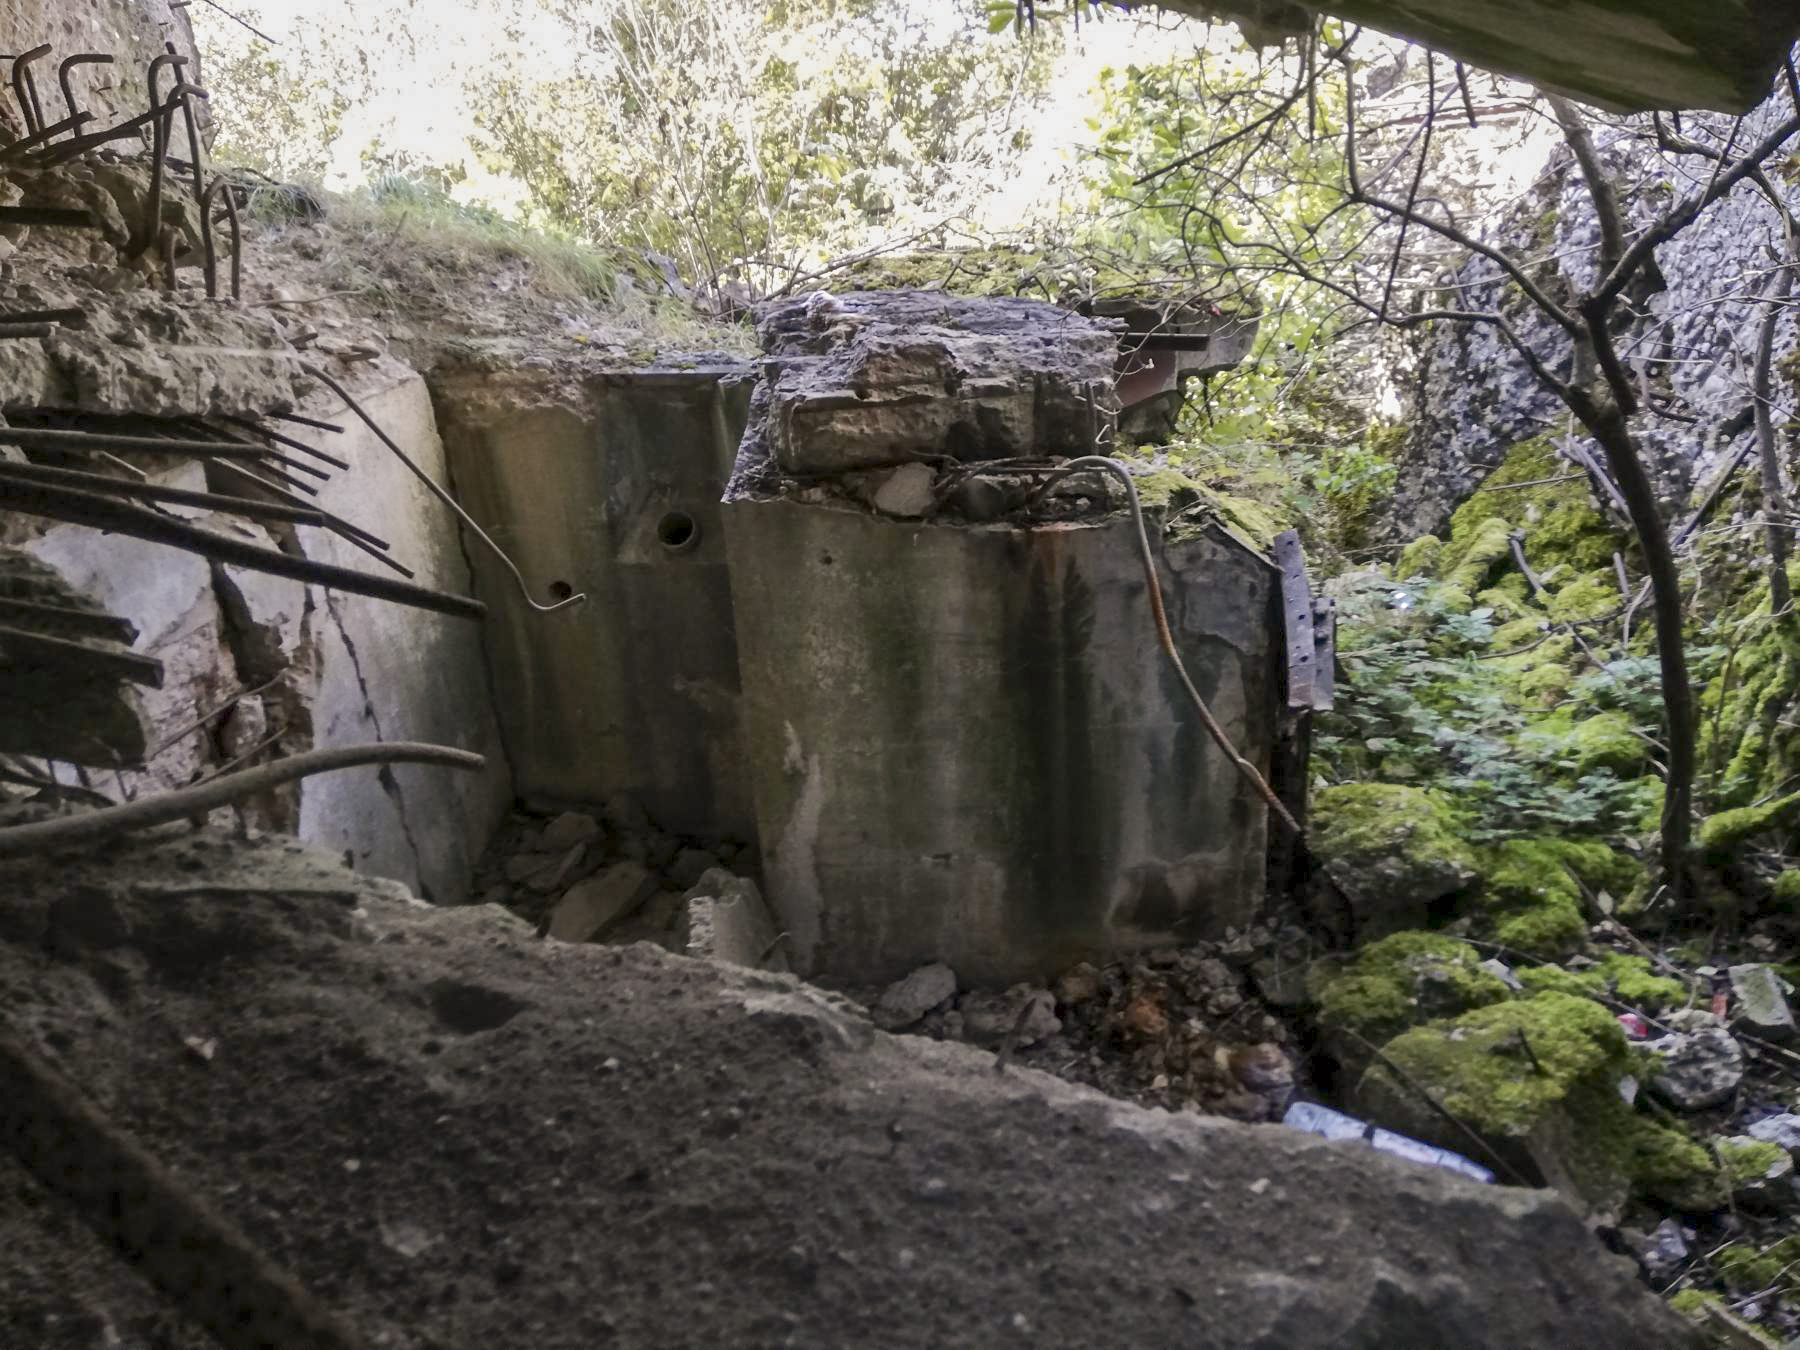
<point>1393,850</point>
<point>1786,889</point>
<point>1532,903</point>
<point>1402,981</point>
<point>1419,558</point>
<point>1470,560</point>
<point>1726,829</point>
<point>1538,1080</point>
<point>1757,1172</point>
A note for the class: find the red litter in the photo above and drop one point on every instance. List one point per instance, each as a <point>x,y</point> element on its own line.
<point>1635,1027</point>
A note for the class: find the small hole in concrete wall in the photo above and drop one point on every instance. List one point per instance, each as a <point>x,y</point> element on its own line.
<point>561,590</point>
<point>678,531</point>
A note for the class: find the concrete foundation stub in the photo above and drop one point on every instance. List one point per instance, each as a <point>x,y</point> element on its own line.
<point>965,746</point>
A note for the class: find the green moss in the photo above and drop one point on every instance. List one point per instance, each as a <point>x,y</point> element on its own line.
<point>1562,526</point>
<point>1749,1160</point>
<point>1591,596</point>
<point>1533,900</point>
<point>1518,633</point>
<point>1419,558</point>
<point>1392,849</point>
<point>1471,558</point>
<point>1661,1163</point>
<point>1606,740</point>
<point>1400,981</point>
<point>1787,888</point>
<point>1479,1069</point>
<point>1632,981</point>
<point>1694,1302</point>
<point>1726,828</point>
<point>1556,980</point>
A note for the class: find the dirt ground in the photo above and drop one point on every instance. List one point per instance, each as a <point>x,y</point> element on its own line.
<point>457,1135</point>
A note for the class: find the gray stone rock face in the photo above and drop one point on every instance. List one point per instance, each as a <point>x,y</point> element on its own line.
<point>872,378</point>
<point>1697,1068</point>
<point>1783,1129</point>
<point>905,1001</point>
<point>1475,397</point>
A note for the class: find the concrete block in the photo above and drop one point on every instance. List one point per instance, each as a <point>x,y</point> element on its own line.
<point>590,907</point>
<point>727,921</point>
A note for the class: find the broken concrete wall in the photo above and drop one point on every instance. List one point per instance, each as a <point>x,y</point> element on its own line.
<point>609,486</point>
<point>133,31</point>
<point>964,743</point>
<point>391,673</point>
<point>966,746</point>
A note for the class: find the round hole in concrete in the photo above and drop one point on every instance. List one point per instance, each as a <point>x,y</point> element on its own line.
<point>561,590</point>
<point>678,531</point>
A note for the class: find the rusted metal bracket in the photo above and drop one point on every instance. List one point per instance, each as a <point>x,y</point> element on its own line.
<point>1311,628</point>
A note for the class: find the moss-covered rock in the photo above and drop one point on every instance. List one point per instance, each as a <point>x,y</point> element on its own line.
<point>1786,889</point>
<point>1591,596</point>
<point>1757,1172</point>
<point>1419,558</point>
<point>1401,981</point>
<point>1469,561</point>
<point>1606,740</point>
<point>1538,1080</point>
<point>1393,851</point>
<point>1724,829</point>
<point>1532,903</point>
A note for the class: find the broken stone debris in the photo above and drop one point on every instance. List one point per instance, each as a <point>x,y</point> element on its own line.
<point>568,830</point>
<point>728,921</point>
<point>1757,1171</point>
<point>862,381</point>
<point>1782,1129</point>
<point>590,907</point>
<point>906,491</point>
<point>1021,1016</point>
<point>1662,1251</point>
<point>906,1001</point>
<point>1699,1064</point>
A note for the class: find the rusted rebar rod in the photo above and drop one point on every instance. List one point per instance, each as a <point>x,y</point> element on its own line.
<point>156,492</point>
<point>41,836</point>
<point>77,507</point>
<point>92,442</point>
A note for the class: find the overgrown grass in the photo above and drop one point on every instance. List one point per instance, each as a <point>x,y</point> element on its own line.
<point>409,246</point>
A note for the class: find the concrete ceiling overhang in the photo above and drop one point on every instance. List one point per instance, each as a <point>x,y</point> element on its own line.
<point>1628,55</point>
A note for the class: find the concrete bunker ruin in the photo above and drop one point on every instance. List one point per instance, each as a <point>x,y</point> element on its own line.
<point>843,610</point>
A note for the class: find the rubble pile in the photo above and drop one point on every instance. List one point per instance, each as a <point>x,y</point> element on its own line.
<point>1188,1029</point>
<point>609,874</point>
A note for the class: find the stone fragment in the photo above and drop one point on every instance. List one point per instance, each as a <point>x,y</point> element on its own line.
<point>905,491</point>
<point>567,830</point>
<point>1022,1016</point>
<point>728,921</point>
<point>1696,1068</point>
<point>522,866</point>
<point>1762,1003</point>
<point>558,873</point>
<point>1280,984</point>
<point>591,906</point>
<point>1783,1129</point>
<point>1661,1251</point>
<point>906,1001</point>
<point>1078,984</point>
<point>690,865</point>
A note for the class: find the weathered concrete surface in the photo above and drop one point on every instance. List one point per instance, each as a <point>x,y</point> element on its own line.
<point>146,353</point>
<point>1647,54</point>
<point>726,920</point>
<point>652,1151</point>
<point>610,487</point>
<point>133,31</point>
<point>392,673</point>
<point>965,745</point>
<point>874,378</point>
